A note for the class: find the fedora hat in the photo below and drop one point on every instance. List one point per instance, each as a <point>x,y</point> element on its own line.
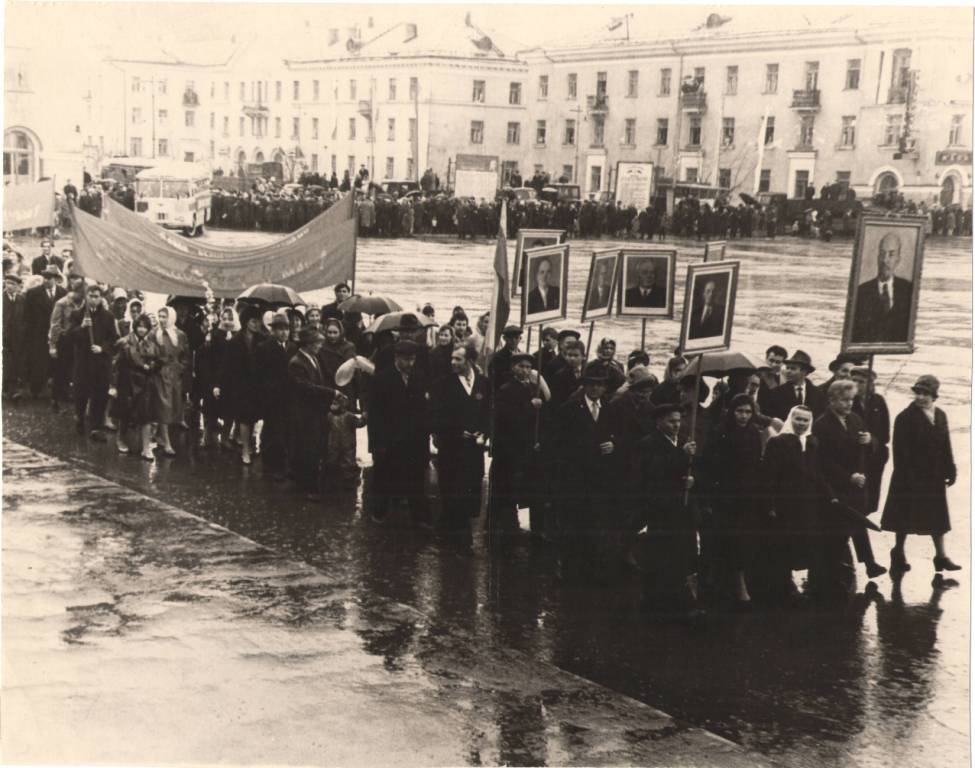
<point>639,377</point>
<point>843,359</point>
<point>346,372</point>
<point>665,409</point>
<point>51,270</point>
<point>595,373</point>
<point>802,359</point>
<point>280,320</point>
<point>309,335</point>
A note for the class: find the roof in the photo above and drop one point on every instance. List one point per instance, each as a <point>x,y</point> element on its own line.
<point>174,170</point>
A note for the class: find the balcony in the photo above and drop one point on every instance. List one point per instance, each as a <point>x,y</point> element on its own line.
<point>897,95</point>
<point>806,100</point>
<point>693,101</point>
<point>598,104</point>
<point>255,109</point>
<point>190,99</point>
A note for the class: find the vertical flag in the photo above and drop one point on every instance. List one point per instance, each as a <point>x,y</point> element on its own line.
<point>763,124</point>
<point>500,301</point>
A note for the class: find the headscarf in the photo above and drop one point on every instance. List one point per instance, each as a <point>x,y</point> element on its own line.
<point>170,330</point>
<point>787,428</point>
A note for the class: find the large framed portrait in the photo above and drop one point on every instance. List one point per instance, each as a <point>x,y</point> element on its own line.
<point>646,282</point>
<point>546,281</point>
<point>709,307</point>
<point>531,238</point>
<point>601,286</point>
<point>715,250</point>
<point>885,280</point>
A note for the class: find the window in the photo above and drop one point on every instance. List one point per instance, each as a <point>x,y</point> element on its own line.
<point>848,132</point>
<point>314,163</point>
<point>351,127</point>
<point>136,85</point>
<point>414,88</point>
<point>389,167</point>
<point>629,132</point>
<point>226,91</point>
<point>226,126</point>
<point>598,130</point>
<point>955,134</point>
<point>163,148</point>
<point>852,74</point>
<point>571,86</point>
<point>812,75</point>
<point>314,127</point>
<point>892,131</point>
<point>391,129</point>
<point>724,178</point>
<point>802,183</point>
<point>277,127</point>
<point>513,135</point>
<point>351,166</point>
<point>213,121</point>
<point>477,95</point>
<point>295,127</point>
<point>694,131</point>
<point>543,86</point>
<point>213,89</point>
<point>600,85</point>
<point>477,131</point>
<point>136,115</point>
<point>277,91</point>
<point>690,174</point>
<point>135,147</point>
<point>352,90</point>
<point>806,125</point>
<point>731,81</point>
<point>771,78</point>
<point>412,129</point>
<point>315,91</point>
<point>540,132</point>
<point>514,93</point>
<point>727,132</point>
<point>189,118</point>
<point>410,168</point>
<point>392,89</point>
<point>765,180</point>
<point>213,149</point>
<point>567,172</point>
<point>699,75</point>
<point>335,163</point>
<point>163,117</point>
<point>770,130</point>
<point>901,68</point>
<point>162,87</point>
<point>663,125</point>
<point>843,180</point>
<point>189,157</point>
<point>240,92</point>
<point>296,90</point>
<point>569,134</point>
<point>633,83</point>
<point>665,82</point>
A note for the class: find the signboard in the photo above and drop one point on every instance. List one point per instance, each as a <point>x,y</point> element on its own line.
<point>476,176</point>
<point>28,205</point>
<point>634,184</point>
<point>953,157</point>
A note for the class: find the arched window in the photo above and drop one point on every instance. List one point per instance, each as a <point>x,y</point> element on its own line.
<point>258,157</point>
<point>948,187</point>
<point>19,158</point>
<point>886,183</point>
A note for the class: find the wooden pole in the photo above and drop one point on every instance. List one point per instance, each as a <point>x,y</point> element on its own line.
<point>538,389</point>
<point>528,344</point>
<point>643,335</point>
<point>592,325</point>
<point>693,427</point>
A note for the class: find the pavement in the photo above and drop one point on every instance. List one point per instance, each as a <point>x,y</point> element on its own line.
<point>135,632</point>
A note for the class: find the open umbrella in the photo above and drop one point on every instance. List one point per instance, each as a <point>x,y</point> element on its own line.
<point>172,301</point>
<point>748,198</point>
<point>369,305</point>
<point>718,364</point>
<point>271,295</point>
<point>392,321</point>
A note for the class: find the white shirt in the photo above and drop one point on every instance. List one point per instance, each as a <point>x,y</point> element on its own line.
<point>594,407</point>
<point>467,381</point>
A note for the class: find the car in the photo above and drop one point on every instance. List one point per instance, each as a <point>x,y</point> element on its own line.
<point>399,188</point>
<point>517,193</point>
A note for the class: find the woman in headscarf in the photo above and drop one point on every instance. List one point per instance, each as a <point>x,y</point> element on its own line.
<point>924,467</point>
<point>796,493</point>
<point>731,468</point>
<point>239,379</point>
<point>335,350</point>
<point>446,340</point>
<point>174,356</point>
<point>208,366</point>
<point>313,316</point>
<point>138,367</point>
<point>297,323</point>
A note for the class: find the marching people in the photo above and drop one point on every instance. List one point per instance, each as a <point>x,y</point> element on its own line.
<point>335,350</point>
<point>273,356</point>
<point>796,390</point>
<point>60,346</point>
<point>500,368</point>
<point>924,467</point>
<point>239,378</point>
<point>442,353</point>
<point>340,459</point>
<point>138,363</point>
<point>167,387</point>
<point>39,303</point>
<point>13,329</point>
<point>871,407</point>
<point>208,365</point>
<point>93,336</point>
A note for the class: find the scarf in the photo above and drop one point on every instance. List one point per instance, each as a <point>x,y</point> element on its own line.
<point>787,429</point>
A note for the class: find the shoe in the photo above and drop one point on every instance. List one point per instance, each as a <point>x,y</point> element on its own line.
<point>898,563</point>
<point>168,453</point>
<point>97,436</point>
<point>148,457</point>
<point>945,564</point>
<point>123,449</point>
<point>245,460</point>
<point>875,569</point>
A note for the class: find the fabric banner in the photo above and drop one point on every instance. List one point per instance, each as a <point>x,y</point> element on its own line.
<point>28,205</point>
<point>128,250</point>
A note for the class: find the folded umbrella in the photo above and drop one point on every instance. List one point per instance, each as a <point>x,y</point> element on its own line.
<point>369,305</point>
<point>272,295</point>
<point>856,517</point>
<point>393,320</point>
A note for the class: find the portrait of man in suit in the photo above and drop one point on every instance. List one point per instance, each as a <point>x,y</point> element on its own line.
<point>708,308</point>
<point>646,287</point>
<point>526,240</point>
<point>601,282</point>
<point>883,302</point>
<point>545,283</point>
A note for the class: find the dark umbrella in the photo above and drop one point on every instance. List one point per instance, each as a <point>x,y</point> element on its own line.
<point>855,516</point>
<point>197,301</point>
<point>271,295</point>
<point>718,364</point>
<point>369,305</point>
<point>392,321</point>
<point>748,198</point>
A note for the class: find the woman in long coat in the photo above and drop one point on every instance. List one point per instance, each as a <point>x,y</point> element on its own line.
<point>174,356</point>
<point>138,365</point>
<point>923,467</point>
<point>240,380</point>
<point>732,468</point>
<point>796,494</point>
<point>209,363</point>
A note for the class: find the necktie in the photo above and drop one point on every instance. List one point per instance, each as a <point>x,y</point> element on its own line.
<point>707,312</point>
<point>885,297</point>
<point>799,393</point>
<point>595,410</point>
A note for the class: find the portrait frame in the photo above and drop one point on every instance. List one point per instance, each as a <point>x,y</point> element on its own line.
<point>534,238</point>
<point>726,275</point>
<point>556,253</point>
<point>601,257</point>
<point>714,250</point>
<point>863,271</point>
<point>629,263</point>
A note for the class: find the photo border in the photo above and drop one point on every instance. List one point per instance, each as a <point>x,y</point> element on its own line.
<point>721,246</point>
<point>608,311</point>
<point>552,314</point>
<point>518,277</point>
<point>694,271</point>
<point>667,312</point>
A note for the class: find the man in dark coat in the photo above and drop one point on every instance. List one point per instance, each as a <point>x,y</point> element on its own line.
<point>795,390</point>
<point>273,356</point>
<point>38,304</point>
<point>399,434</point>
<point>844,443</point>
<point>871,407</point>
<point>46,259</point>
<point>13,329</point>
<point>310,399</point>
<point>60,347</point>
<point>587,434</point>
<point>460,420</point>
<point>567,378</point>
<point>550,369</point>
<point>883,304</point>
<point>93,335</point>
<point>499,369</point>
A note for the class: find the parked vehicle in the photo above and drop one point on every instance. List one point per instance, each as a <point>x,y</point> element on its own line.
<point>175,195</point>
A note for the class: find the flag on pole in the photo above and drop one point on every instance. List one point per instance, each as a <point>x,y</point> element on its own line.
<point>615,23</point>
<point>500,301</point>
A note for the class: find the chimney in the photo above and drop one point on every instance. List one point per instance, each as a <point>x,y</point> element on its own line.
<point>411,31</point>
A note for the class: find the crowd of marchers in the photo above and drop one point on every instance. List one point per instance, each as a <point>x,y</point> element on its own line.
<point>727,498</point>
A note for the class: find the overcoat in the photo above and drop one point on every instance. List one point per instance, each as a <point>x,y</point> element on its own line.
<point>167,386</point>
<point>876,417</point>
<point>37,320</point>
<point>240,380</point>
<point>309,402</point>
<point>840,456</point>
